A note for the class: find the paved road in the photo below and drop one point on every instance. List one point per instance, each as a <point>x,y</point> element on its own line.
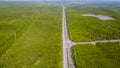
<point>67,59</point>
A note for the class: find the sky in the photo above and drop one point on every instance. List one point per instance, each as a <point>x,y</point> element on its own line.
<point>59,0</point>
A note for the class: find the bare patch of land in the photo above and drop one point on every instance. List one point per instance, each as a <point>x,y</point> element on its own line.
<point>101,17</point>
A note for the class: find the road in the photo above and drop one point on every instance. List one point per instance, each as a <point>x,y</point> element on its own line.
<point>94,42</point>
<point>67,58</point>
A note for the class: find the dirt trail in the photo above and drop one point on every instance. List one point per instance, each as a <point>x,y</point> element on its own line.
<point>94,42</point>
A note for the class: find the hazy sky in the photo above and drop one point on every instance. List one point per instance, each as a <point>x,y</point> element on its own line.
<point>59,0</point>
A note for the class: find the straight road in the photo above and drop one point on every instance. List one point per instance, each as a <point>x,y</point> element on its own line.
<point>94,42</point>
<point>67,58</point>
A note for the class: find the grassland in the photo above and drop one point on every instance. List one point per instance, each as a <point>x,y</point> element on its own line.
<point>39,46</point>
<point>13,21</point>
<point>101,55</point>
<point>83,28</point>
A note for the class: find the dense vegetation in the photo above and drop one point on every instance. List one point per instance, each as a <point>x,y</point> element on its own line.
<point>39,45</point>
<point>14,21</point>
<point>101,55</point>
<point>83,28</point>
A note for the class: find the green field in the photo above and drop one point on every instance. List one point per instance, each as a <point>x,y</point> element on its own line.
<point>101,55</point>
<point>31,34</point>
<point>84,28</point>
<point>15,20</point>
<point>38,29</point>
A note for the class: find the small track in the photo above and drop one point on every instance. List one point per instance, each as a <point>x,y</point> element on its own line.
<point>94,42</point>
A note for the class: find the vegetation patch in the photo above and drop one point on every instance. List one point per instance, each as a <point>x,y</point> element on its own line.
<point>103,55</point>
<point>40,45</point>
<point>84,28</point>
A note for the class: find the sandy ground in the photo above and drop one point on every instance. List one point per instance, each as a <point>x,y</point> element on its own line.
<point>101,17</point>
